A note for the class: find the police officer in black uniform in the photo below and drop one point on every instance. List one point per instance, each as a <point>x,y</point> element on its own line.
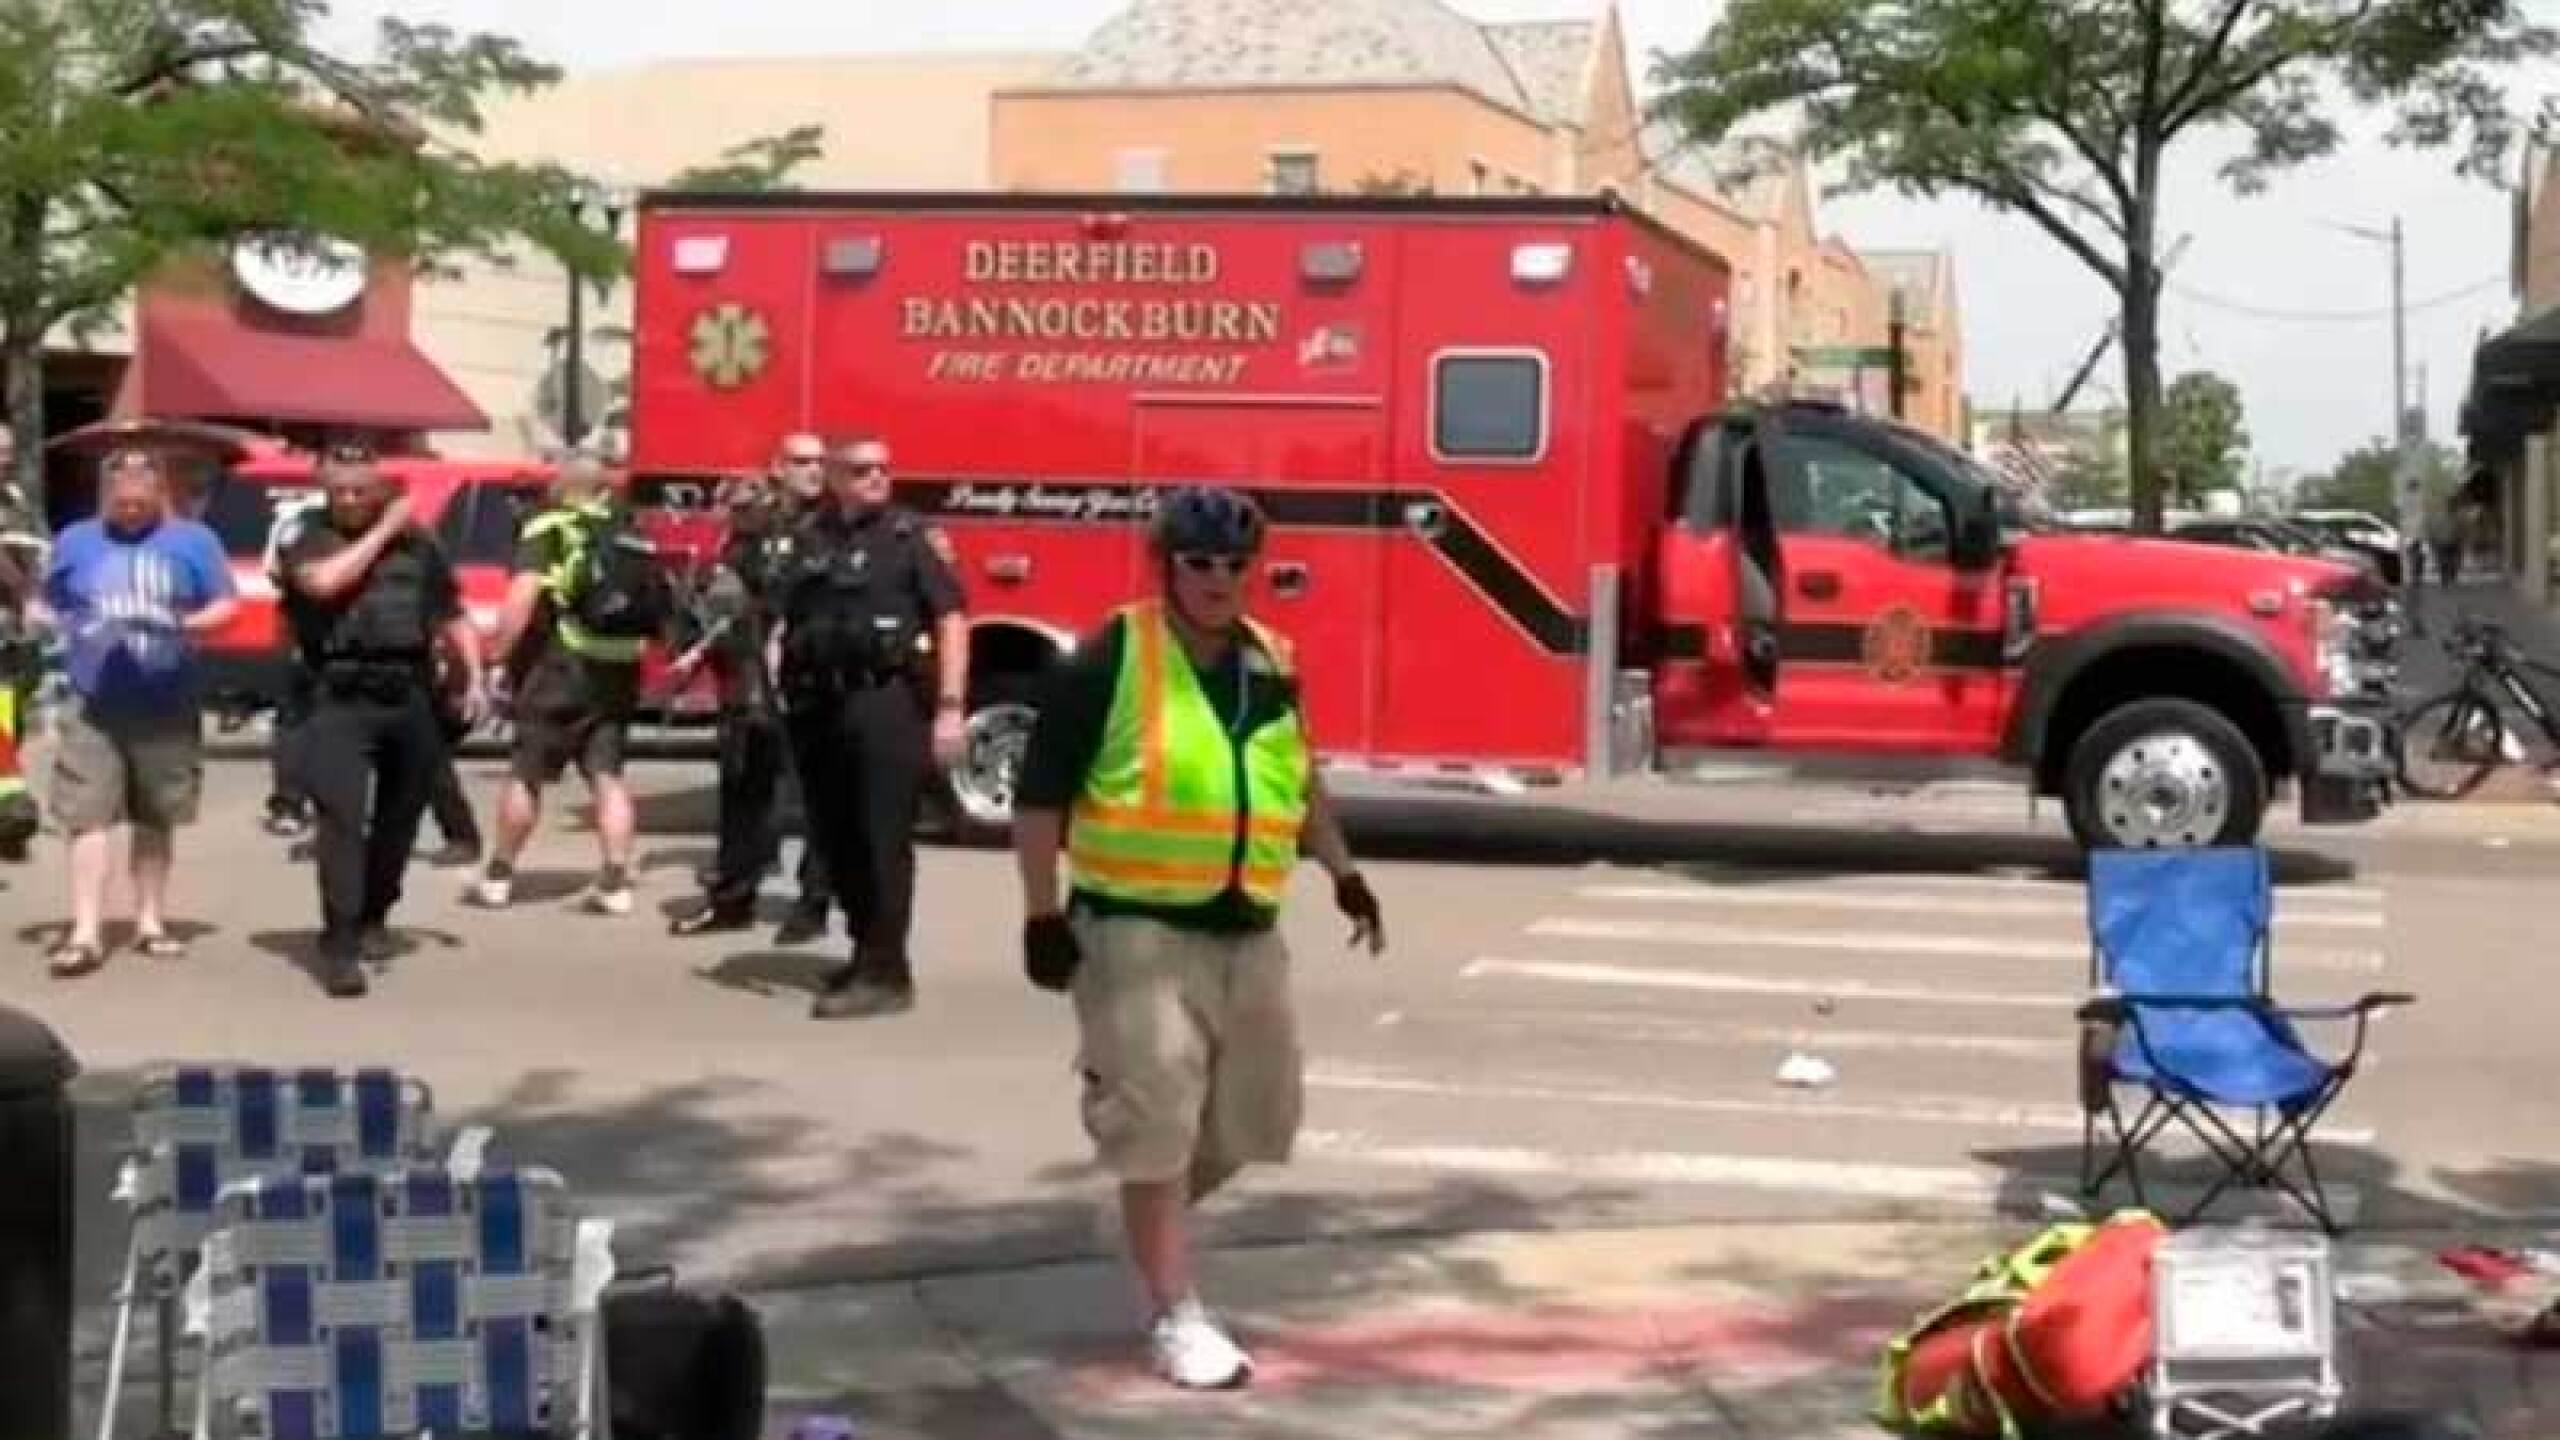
<point>737,616</point>
<point>874,671</point>
<point>370,598</point>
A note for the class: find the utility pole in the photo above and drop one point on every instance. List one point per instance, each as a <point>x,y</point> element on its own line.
<point>2404,428</point>
<point>1898,366</point>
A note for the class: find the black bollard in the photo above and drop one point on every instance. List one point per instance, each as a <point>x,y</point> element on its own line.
<point>37,1159</point>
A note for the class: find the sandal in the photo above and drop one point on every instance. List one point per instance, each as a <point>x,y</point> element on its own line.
<point>161,947</point>
<point>69,961</point>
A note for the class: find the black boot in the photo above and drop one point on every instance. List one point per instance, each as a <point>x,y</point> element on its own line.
<point>712,917</point>
<point>342,974</point>
<point>806,923</point>
<point>867,990</point>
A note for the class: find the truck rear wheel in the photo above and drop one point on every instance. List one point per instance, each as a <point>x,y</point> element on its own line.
<point>2163,774</point>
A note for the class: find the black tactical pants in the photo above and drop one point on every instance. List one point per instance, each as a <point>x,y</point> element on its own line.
<point>370,759</point>
<point>445,797</point>
<point>862,753</point>
<point>752,754</point>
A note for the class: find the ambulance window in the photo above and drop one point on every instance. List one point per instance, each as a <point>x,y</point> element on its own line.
<point>1489,408</point>
<point>1830,487</point>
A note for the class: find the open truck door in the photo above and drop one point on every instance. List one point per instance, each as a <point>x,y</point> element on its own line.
<point>1722,570</point>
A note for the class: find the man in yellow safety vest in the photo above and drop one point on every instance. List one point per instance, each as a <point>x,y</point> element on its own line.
<point>1171,763</point>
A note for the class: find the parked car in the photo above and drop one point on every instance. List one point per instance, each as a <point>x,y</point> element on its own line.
<point>2357,531</point>
<point>2274,537</point>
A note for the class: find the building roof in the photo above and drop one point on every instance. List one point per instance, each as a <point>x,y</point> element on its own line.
<point>1551,60</point>
<point>1747,174</point>
<point>892,121</point>
<point>1256,44</point>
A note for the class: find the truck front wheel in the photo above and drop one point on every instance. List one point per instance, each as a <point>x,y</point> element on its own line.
<point>2159,774</point>
<point>977,793</point>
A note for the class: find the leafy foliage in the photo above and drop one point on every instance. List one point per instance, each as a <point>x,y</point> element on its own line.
<point>2064,111</point>
<point>765,163</point>
<point>138,132</point>
<point>2203,436</point>
<point>2363,479</point>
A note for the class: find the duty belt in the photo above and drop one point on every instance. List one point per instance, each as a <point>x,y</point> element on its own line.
<point>387,679</point>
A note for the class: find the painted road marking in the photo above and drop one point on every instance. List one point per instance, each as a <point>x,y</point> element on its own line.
<point>1902,1110</point>
<point>1714,983</point>
<point>1888,942</point>
<point>1659,1030</point>
<point>1881,1182</point>
<point>2011,879</point>
<point>1816,898</point>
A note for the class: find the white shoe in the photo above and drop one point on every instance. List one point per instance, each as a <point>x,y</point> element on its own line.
<point>492,892</point>
<point>616,901</point>
<point>1192,1352</point>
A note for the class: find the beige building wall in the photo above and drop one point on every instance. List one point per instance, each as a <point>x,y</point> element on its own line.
<point>1105,141</point>
<point>891,122</point>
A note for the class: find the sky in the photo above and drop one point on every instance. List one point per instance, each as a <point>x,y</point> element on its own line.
<point>2270,294</point>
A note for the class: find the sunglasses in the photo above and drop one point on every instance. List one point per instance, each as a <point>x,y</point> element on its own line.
<point>352,453</point>
<point>804,459</point>
<point>1207,562</point>
<point>872,467</point>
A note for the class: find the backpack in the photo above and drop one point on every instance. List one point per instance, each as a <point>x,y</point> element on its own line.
<point>614,584</point>
<point>681,1364</point>
<point>2058,1329</point>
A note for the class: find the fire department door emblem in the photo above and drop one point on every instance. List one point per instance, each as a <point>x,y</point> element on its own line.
<point>730,345</point>
<point>1897,645</point>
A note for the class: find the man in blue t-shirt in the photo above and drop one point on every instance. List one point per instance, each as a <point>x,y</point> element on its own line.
<point>131,591</point>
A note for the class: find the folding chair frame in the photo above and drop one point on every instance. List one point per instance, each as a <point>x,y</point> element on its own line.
<point>2169,1098</point>
<point>166,1277</point>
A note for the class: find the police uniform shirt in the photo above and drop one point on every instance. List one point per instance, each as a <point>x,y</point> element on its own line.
<point>885,552</point>
<point>1245,689</point>
<point>412,559</point>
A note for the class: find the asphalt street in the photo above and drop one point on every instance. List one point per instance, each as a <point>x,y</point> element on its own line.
<point>1580,1023</point>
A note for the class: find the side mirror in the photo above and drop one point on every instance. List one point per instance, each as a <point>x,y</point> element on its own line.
<point>1977,537</point>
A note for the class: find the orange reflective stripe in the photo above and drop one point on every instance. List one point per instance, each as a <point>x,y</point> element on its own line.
<point>1212,873</point>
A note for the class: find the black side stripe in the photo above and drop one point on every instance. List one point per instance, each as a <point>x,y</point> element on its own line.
<point>1841,644</point>
<point>1549,623</point>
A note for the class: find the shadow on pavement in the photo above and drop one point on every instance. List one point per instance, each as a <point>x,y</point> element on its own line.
<point>2388,1198</point>
<point>119,934</point>
<point>768,973</point>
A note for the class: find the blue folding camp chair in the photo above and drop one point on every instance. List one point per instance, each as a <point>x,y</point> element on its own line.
<point>200,1128</point>
<point>412,1302</point>
<point>2184,1019</point>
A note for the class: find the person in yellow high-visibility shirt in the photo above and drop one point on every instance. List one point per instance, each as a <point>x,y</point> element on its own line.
<point>1171,764</point>
<point>19,820</point>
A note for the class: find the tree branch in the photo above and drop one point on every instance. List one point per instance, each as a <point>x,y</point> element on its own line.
<point>173,66</point>
<point>2088,148</point>
<point>2211,54</point>
<point>2024,201</point>
<point>2250,76</point>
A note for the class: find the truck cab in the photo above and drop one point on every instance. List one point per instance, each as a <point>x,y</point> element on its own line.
<point>1831,583</point>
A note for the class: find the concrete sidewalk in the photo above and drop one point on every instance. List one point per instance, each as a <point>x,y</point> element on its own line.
<point>1719,1333</point>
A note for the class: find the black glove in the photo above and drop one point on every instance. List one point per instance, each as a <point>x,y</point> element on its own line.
<point>1352,896</point>
<point>1050,954</point>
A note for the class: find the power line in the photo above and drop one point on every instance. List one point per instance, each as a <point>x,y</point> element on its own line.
<point>2314,317</point>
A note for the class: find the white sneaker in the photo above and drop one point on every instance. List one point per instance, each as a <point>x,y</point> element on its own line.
<point>493,892</point>
<point>616,901</point>
<point>1192,1352</point>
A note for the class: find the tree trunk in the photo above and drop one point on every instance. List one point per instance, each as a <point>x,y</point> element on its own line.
<point>22,363</point>
<point>2142,399</point>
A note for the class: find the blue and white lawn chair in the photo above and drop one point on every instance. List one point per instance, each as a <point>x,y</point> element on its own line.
<point>422,1301</point>
<point>201,1128</point>
<point>2184,1019</point>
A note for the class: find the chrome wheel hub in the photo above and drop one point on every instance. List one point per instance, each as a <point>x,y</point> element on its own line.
<point>2164,790</point>
<point>997,738</point>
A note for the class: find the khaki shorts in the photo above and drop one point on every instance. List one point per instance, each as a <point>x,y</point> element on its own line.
<point>147,772</point>
<point>1190,1055</point>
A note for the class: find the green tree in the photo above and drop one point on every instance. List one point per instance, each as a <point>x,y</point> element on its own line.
<point>2203,437</point>
<point>2067,113</point>
<point>2363,479</point>
<point>2088,480</point>
<point>765,163</point>
<point>138,132</point>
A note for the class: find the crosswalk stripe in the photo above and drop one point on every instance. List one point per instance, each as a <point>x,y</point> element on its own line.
<point>2009,879</point>
<point>1656,1030</point>
<point>1881,1182</point>
<point>1952,1110</point>
<point>1892,942</point>
<point>1816,898</point>
<point>1710,982</point>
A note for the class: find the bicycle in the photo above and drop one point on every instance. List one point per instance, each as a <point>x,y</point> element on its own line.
<point>2453,742</point>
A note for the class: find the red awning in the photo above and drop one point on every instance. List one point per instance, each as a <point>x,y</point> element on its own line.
<point>210,367</point>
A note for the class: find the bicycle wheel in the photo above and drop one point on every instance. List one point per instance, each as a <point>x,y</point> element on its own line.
<point>2450,744</point>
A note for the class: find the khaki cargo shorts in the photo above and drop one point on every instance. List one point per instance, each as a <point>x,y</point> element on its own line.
<point>145,771</point>
<point>1190,1049</point>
